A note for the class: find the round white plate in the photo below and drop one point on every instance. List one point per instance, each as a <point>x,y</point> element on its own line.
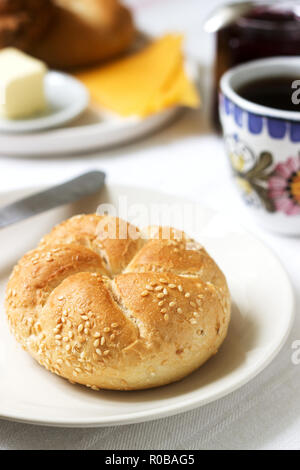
<point>67,98</point>
<point>262,317</point>
<point>95,129</point>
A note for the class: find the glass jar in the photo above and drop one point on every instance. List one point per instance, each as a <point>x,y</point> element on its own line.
<point>267,30</point>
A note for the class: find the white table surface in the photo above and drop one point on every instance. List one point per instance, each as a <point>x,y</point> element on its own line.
<point>185,159</point>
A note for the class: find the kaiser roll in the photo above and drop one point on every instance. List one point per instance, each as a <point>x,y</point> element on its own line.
<point>118,312</point>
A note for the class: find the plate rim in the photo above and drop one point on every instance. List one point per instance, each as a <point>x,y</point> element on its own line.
<point>193,403</point>
<point>93,134</point>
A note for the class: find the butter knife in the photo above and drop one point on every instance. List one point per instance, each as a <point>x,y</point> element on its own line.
<point>66,193</point>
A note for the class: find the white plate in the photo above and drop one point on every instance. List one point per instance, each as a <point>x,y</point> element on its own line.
<point>67,98</point>
<point>261,320</point>
<point>94,129</point>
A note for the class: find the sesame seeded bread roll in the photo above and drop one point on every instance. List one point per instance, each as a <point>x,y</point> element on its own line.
<point>115,312</point>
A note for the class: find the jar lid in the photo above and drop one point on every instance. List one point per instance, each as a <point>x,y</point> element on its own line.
<point>255,14</point>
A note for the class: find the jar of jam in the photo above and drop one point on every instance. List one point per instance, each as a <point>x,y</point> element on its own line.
<point>267,29</point>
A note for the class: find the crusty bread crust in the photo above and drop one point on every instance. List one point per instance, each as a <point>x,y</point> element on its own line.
<point>84,33</point>
<point>121,314</point>
<point>23,22</point>
<point>67,33</point>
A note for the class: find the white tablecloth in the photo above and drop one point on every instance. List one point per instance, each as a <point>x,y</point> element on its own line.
<point>185,159</point>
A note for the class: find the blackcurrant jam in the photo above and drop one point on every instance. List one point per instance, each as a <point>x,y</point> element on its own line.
<point>268,30</point>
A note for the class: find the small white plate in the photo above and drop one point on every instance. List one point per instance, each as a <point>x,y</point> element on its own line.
<point>261,320</point>
<point>95,129</point>
<point>67,98</point>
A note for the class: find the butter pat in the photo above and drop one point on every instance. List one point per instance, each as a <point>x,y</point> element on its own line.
<point>21,84</point>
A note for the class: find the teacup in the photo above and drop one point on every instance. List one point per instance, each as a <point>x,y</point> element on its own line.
<point>263,145</point>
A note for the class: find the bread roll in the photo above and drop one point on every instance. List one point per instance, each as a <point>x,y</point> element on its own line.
<point>118,312</point>
<point>66,33</point>
<point>85,32</point>
<point>23,22</point>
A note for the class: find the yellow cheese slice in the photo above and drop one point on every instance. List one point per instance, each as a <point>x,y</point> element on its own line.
<point>181,91</point>
<point>144,83</point>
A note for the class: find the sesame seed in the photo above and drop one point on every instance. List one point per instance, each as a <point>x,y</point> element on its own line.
<point>97,335</point>
<point>66,339</point>
<point>172,286</point>
<point>195,314</point>
<point>172,304</point>
<point>160,296</point>
<point>163,281</point>
<point>163,310</point>
<point>113,336</point>
<point>193,321</point>
<point>148,287</point>
<point>98,351</point>
<point>60,297</point>
<point>179,310</point>
<point>106,352</point>
<point>187,295</point>
<point>192,304</point>
<point>84,317</point>
<point>166,317</point>
<point>160,303</point>
<point>159,288</point>
<point>80,328</point>
<point>165,291</point>
<point>102,341</point>
<point>114,325</point>
<point>144,293</point>
<point>86,331</point>
<point>106,329</point>
<point>96,343</point>
<point>68,347</point>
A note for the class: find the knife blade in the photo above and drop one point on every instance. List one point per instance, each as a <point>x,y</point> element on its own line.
<point>71,191</point>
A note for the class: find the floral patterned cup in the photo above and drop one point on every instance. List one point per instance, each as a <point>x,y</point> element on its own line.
<point>263,145</point>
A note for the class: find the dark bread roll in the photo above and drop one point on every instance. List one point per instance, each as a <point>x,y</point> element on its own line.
<point>66,33</point>
<point>22,23</point>
<point>85,32</point>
